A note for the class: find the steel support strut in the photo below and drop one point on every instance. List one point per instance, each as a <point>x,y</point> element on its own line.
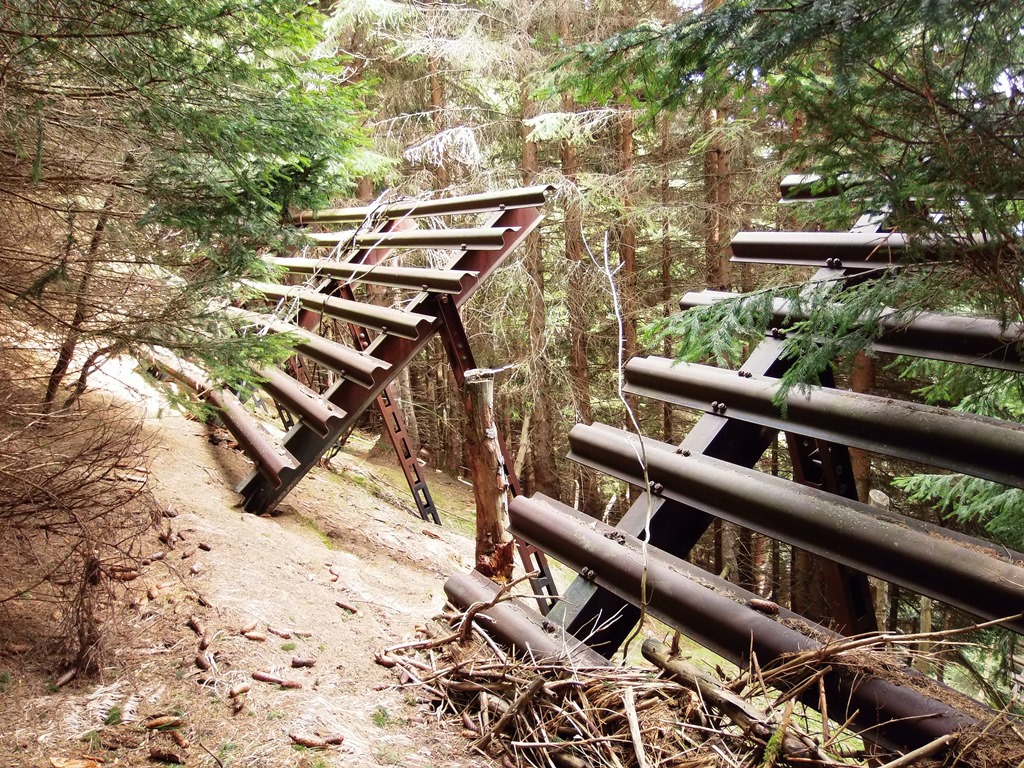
<point>395,352</point>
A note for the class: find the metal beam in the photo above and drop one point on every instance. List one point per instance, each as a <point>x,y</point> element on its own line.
<point>974,445</point>
<point>968,340</point>
<point>485,238</point>
<point>487,202</point>
<point>346,362</point>
<point>717,615</point>
<point>413,278</point>
<point>273,463</point>
<point>798,187</point>
<point>834,250</point>
<point>382,319</point>
<point>299,400</point>
<point>514,624</point>
<point>908,552</point>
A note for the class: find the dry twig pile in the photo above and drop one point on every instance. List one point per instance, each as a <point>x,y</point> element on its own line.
<point>559,714</point>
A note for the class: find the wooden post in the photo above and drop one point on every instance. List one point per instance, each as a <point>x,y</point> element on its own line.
<point>494,547</point>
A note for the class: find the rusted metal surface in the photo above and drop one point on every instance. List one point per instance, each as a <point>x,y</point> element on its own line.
<point>968,340</point>
<point>835,250</point>
<point>473,267</point>
<point>392,353</point>
<point>300,400</point>
<point>515,625</point>
<point>394,428</point>
<point>908,552</point>
<point>709,477</point>
<point>797,187</point>
<point>526,197</point>
<point>273,462</point>
<point>486,238</point>
<point>717,615</point>
<point>414,278</point>
<point>605,618</point>
<point>381,319</point>
<point>974,445</point>
<point>348,363</point>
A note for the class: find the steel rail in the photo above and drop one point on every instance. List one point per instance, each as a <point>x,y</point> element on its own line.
<point>408,325</point>
<point>952,338</point>
<point>272,460</point>
<point>487,202</point>
<point>717,615</point>
<point>835,250</point>
<point>908,552</point>
<point>413,278</point>
<point>797,187</point>
<point>516,625</point>
<point>485,238</point>
<point>348,363</point>
<point>962,442</point>
<point>300,400</point>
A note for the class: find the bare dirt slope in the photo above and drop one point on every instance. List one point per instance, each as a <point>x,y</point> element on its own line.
<point>280,577</point>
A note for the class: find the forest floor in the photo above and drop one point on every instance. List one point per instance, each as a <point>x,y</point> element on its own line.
<point>345,534</point>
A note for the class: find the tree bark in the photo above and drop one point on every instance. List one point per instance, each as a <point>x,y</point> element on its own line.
<point>576,299</point>
<point>667,289</point>
<point>494,548</point>
<point>627,276</point>
<point>543,471</point>
<point>441,175</point>
<point>717,201</point>
<point>863,380</point>
<point>74,332</point>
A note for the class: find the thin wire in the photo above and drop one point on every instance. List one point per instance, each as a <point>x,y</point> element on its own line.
<point>641,451</point>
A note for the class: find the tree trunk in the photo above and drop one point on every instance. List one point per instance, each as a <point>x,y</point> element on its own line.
<point>577,301</point>
<point>745,559</point>
<point>922,662</point>
<point>879,587</point>
<point>543,471</point>
<point>667,289</point>
<point>627,276</point>
<point>717,201</point>
<point>863,380</point>
<point>441,175</point>
<point>74,332</point>
<point>494,547</point>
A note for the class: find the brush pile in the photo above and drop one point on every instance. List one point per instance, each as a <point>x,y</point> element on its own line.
<point>561,714</point>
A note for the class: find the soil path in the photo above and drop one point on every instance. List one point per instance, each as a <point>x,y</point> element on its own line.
<point>335,541</point>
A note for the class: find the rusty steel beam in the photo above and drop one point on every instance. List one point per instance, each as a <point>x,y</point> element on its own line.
<point>272,461</point>
<point>346,362</point>
<point>299,400</point>
<point>834,250</point>
<point>718,616</point>
<point>484,238</point>
<point>798,187</point>
<point>516,625</point>
<point>390,353</point>
<point>487,202</point>
<point>382,319</point>
<point>974,445</point>
<point>413,278</point>
<point>968,340</point>
<point>921,557</point>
